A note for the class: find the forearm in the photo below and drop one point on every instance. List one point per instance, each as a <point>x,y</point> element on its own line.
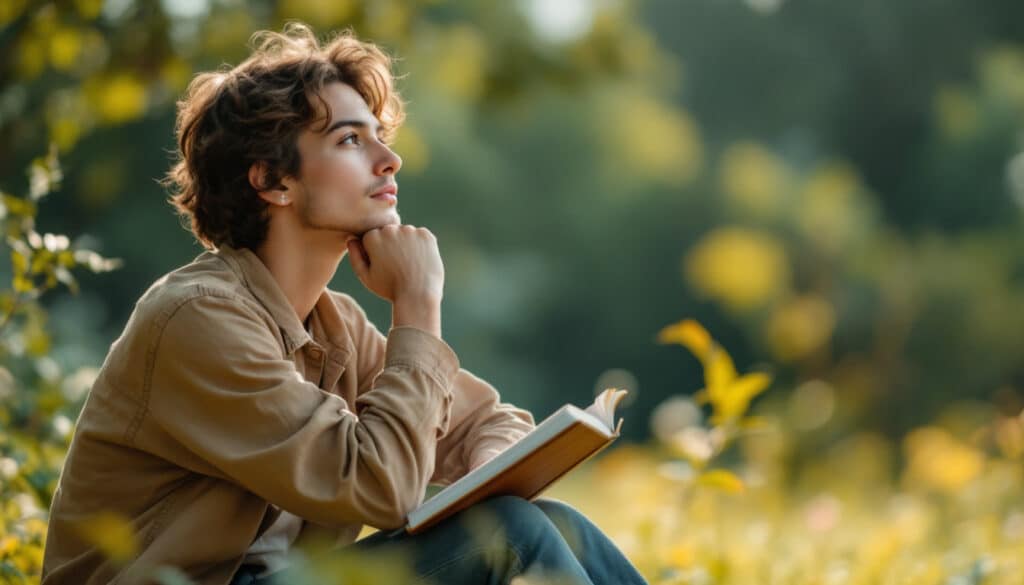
<point>420,312</point>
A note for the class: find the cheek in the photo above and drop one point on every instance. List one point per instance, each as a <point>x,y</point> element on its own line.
<point>330,168</point>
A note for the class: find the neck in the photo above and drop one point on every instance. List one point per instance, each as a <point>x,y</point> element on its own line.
<point>302,265</point>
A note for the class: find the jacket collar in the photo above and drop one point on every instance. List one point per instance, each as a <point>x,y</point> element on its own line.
<point>326,325</point>
<point>260,282</point>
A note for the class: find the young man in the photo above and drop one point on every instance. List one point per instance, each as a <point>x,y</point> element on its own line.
<point>246,407</point>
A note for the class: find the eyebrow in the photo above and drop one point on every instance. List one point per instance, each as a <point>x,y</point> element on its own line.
<point>356,123</point>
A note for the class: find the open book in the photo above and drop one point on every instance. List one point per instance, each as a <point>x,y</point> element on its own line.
<point>558,444</point>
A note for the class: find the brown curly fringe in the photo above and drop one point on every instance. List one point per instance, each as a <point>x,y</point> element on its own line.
<point>233,117</point>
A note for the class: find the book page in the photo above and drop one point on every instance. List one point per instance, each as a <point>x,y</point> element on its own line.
<point>604,406</point>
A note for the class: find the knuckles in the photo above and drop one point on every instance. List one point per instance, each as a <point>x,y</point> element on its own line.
<point>392,232</point>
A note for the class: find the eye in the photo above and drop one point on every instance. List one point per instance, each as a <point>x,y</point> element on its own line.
<point>353,137</point>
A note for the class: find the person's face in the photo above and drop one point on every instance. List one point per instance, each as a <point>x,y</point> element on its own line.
<point>342,166</point>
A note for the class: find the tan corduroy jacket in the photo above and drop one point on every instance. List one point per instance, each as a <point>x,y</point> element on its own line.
<point>216,408</point>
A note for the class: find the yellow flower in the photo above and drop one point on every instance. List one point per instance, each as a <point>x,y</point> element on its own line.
<point>113,534</point>
<point>460,63</point>
<point>661,142</point>
<point>118,98</point>
<point>940,461</point>
<point>29,559</point>
<point>722,480</point>
<point>741,267</point>
<point>833,209</point>
<point>753,178</point>
<point>65,48</point>
<point>689,334</point>
<point>681,554</point>
<point>728,393</point>
<point>799,327</point>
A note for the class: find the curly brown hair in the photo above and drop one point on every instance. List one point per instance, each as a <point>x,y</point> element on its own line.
<point>234,117</point>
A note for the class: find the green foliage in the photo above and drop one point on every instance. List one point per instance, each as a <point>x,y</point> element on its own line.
<point>36,399</point>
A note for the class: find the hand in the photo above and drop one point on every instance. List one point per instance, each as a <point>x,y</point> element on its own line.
<point>399,263</point>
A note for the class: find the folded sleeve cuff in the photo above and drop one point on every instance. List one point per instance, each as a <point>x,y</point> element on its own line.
<point>413,347</point>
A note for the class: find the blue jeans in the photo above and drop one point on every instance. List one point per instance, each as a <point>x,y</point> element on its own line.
<point>546,541</point>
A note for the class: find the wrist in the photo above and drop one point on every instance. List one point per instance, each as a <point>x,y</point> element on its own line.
<point>420,312</point>
<point>416,298</point>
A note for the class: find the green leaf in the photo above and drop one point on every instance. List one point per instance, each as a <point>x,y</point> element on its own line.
<point>23,285</point>
<point>66,259</point>
<point>19,262</point>
<point>18,207</point>
<point>40,262</point>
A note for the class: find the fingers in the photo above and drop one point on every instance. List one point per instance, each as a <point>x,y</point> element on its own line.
<point>398,260</point>
<point>391,233</point>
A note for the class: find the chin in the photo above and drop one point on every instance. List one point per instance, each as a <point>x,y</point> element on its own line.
<point>389,219</point>
<point>392,219</point>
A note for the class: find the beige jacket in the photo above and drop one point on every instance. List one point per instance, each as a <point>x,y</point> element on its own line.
<point>216,402</point>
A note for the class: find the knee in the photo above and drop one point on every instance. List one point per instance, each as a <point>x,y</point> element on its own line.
<point>570,522</point>
<point>509,518</point>
<point>511,511</point>
<point>507,505</point>
<point>556,507</point>
<point>560,512</point>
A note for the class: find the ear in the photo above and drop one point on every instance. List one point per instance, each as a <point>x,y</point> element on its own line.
<point>272,195</point>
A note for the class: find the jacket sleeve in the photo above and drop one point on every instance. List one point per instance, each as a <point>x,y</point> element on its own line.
<point>480,425</point>
<point>221,388</point>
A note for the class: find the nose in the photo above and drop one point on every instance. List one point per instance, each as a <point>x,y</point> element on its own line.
<point>389,162</point>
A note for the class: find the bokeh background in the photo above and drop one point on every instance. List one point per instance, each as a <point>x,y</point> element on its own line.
<point>835,190</point>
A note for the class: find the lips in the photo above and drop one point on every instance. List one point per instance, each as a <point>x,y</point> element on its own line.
<point>388,194</point>
<point>391,190</point>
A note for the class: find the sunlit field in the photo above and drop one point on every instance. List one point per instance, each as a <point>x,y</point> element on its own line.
<point>719,499</point>
<point>844,519</point>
